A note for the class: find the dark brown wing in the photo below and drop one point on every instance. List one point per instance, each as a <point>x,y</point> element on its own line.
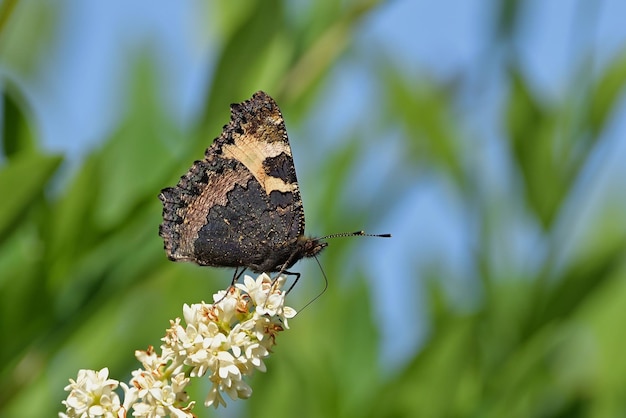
<point>240,206</point>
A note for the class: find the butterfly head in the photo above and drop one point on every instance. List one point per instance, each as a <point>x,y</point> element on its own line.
<point>312,246</point>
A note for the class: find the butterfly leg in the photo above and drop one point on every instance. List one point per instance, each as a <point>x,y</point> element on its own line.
<point>290,273</point>
<point>237,275</point>
<point>236,278</point>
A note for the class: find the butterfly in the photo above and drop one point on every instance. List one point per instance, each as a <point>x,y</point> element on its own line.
<point>240,206</point>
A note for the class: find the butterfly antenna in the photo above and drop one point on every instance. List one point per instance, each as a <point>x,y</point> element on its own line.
<point>356,234</point>
<point>319,294</point>
<point>341,234</point>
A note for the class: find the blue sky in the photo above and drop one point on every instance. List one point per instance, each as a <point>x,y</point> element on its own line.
<point>434,39</point>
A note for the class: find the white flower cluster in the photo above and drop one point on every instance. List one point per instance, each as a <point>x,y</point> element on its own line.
<point>226,341</point>
<point>92,395</point>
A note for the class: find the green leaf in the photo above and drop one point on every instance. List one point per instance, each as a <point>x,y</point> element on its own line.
<point>532,129</point>
<point>238,62</point>
<point>17,133</point>
<point>425,112</point>
<point>22,181</point>
<point>133,165</point>
<point>607,93</point>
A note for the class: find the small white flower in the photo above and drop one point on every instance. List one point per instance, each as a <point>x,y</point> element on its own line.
<point>255,353</point>
<point>157,397</point>
<point>236,389</point>
<point>271,305</point>
<point>214,397</point>
<point>257,289</point>
<point>92,395</point>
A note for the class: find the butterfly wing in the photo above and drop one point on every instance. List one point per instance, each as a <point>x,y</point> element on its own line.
<point>240,206</point>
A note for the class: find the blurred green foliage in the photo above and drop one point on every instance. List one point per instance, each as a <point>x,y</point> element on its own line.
<point>84,281</point>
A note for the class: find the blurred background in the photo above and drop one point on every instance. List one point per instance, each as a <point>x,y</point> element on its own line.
<point>487,136</point>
